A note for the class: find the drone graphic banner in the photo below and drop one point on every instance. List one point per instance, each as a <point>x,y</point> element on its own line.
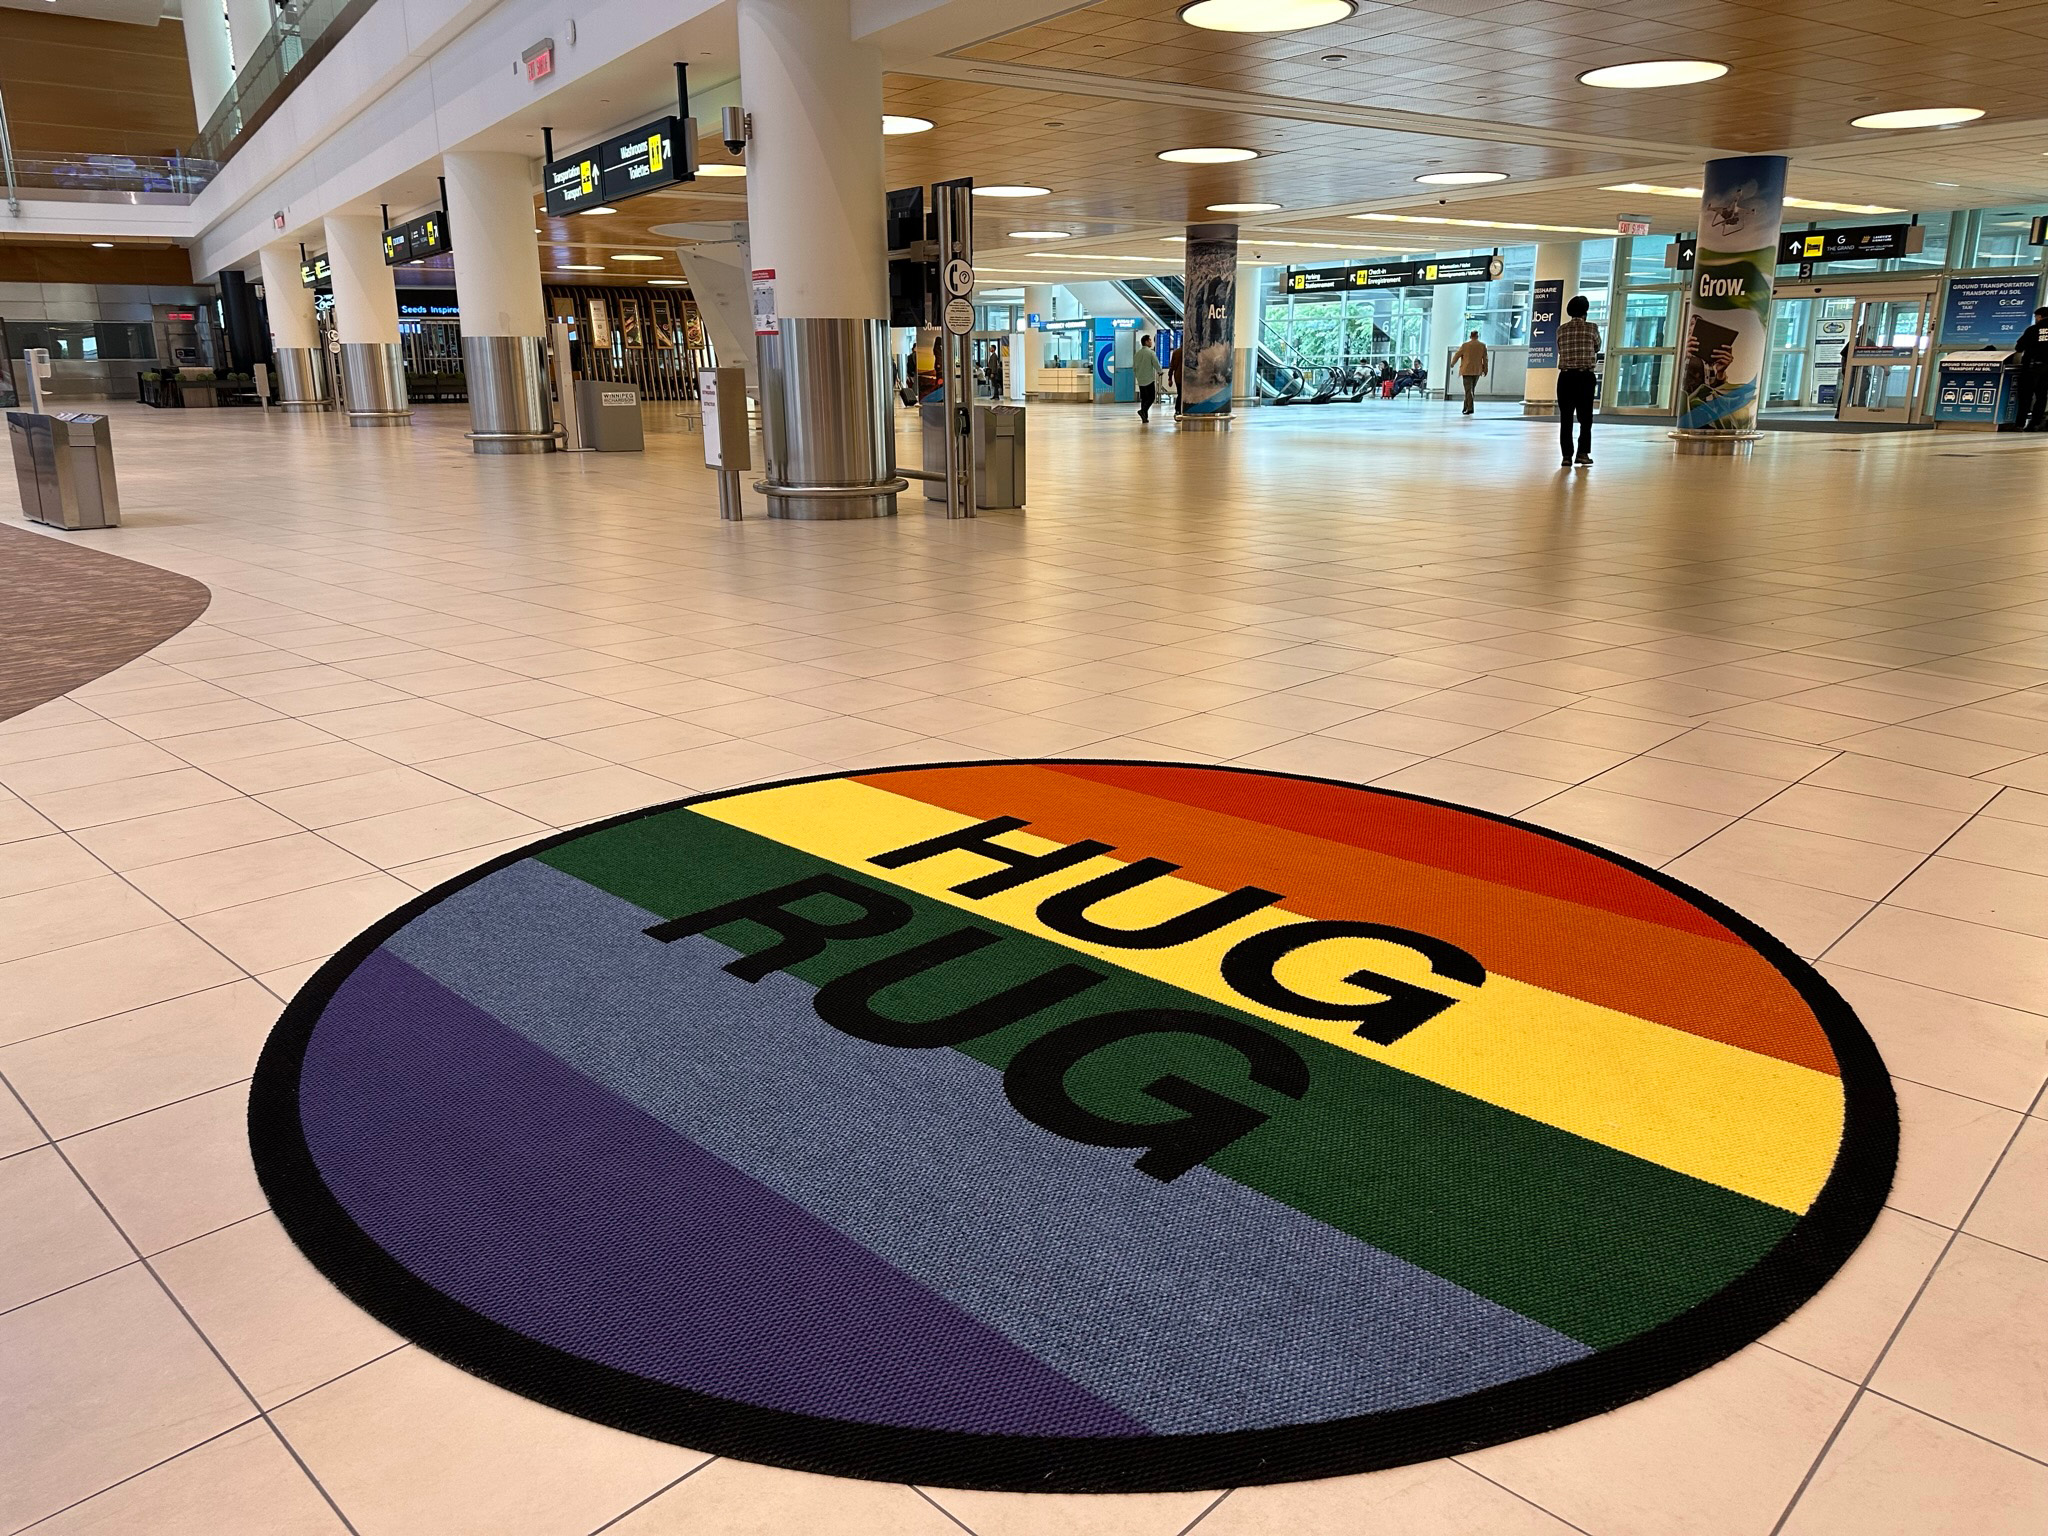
<point>1727,340</point>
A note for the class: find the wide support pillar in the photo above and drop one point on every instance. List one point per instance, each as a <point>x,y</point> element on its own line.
<point>366,322</point>
<point>1555,282</point>
<point>498,295</point>
<point>302,380</point>
<point>816,213</point>
<point>1208,362</point>
<point>1446,330</point>
<point>1727,340</point>
<point>1244,337</point>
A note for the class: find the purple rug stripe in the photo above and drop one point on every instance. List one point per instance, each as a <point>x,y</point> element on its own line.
<point>589,1225</point>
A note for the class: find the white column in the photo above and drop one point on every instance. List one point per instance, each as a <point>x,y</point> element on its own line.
<point>490,226</point>
<point>1040,299</point>
<point>287,300</point>
<point>209,54</point>
<point>816,193</point>
<point>1245,334</point>
<point>365,297</point>
<point>248,24</point>
<point>1446,330</point>
<point>1556,261</point>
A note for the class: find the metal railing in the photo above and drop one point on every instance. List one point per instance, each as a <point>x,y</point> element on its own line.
<point>7,156</point>
<point>303,34</point>
<point>173,175</point>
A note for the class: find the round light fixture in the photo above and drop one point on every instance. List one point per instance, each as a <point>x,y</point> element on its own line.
<point>1012,191</point>
<point>1266,15</point>
<point>1208,156</point>
<point>1041,234</point>
<point>721,170</point>
<point>103,245</point>
<point>631,256</point>
<point>1919,117</point>
<point>1245,207</point>
<point>592,213</point>
<point>1651,74</point>
<point>895,126</point>
<point>1460,178</point>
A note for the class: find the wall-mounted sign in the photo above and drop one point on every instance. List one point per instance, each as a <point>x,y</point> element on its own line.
<point>416,239</point>
<point>2037,232</point>
<point>539,60</point>
<point>766,321</point>
<point>647,158</point>
<point>1546,309</point>
<point>277,219</point>
<point>1864,242</point>
<point>439,307</point>
<point>315,272</point>
<point>1988,311</point>
<point>1636,224</point>
<point>1395,274</point>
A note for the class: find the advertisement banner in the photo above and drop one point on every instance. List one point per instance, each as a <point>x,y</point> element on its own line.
<point>1206,352</point>
<point>1988,311</point>
<point>1727,338</point>
<point>1546,307</point>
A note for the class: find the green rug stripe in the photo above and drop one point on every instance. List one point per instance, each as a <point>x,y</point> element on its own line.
<point>1587,1240</point>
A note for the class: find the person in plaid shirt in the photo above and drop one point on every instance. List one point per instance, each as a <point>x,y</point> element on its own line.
<point>1578,379</point>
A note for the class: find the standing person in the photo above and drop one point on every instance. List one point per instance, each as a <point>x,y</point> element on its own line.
<point>995,369</point>
<point>2032,355</point>
<point>1471,361</point>
<point>1173,371</point>
<point>1578,379</point>
<point>1145,372</point>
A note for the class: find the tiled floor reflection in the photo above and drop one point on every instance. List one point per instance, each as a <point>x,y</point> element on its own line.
<point>1814,685</point>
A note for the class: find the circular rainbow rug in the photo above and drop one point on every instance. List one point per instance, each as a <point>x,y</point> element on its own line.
<point>1073,1126</point>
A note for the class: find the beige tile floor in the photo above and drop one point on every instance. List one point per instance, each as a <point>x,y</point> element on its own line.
<point>1815,684</point>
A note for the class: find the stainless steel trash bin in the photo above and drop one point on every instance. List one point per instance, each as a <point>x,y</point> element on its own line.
<point>64,467</point>
<point>609,415</point>
<point>998,456</point>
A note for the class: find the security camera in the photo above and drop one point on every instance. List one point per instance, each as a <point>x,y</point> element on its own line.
<point>737,128</point>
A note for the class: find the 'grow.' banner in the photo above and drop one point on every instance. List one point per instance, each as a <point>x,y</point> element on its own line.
<point>1728,336</point>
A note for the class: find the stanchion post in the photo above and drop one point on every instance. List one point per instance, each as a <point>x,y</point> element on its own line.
<point>954,201</point>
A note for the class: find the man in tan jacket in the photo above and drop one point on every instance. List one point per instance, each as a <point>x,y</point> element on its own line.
<point>1471,363</point>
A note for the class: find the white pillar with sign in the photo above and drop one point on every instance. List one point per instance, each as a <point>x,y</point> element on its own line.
<point>1556,281</point>
<point>302,373</point>
<point>816,205</point>
<point>497,289</point>
<point>366,322</point>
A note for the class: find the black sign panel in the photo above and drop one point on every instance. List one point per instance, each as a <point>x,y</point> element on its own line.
<point>416,239</point>
<point>1394,274</point>
<point>1864,242</point>
<point>574,185</point>
<point>645,159</point>
<point>315,272</point>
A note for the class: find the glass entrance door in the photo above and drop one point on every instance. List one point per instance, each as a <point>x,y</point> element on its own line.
<point>1887,350</point>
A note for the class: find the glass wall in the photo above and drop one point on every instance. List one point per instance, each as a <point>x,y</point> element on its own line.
<point>1642,355</point>
<point>1997,237</point>
<point>1331,330</point>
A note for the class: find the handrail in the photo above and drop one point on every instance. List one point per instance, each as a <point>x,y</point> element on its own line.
<point>7,155</point>
<point>304,33</point>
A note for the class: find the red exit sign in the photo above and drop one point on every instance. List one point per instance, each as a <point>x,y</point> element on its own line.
<point>539,60</point>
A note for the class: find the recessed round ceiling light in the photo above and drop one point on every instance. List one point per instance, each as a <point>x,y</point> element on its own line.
<point>1460,178</point>
<point>103,245</point>
<point>1244,207</point>
<point>594,212</point>
<point>1266,15</point>
<point>1652,73</point>
<point>895,126</point>
<point>721,170</point>
<point>1208,156</point>
<point>633,257</point>
<point>1012,191</point>
<point>1919,117</point>
<point>579,269</point>
<point>1041,234</point>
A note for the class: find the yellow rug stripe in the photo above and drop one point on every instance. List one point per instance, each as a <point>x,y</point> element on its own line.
<point>1751,1123</point>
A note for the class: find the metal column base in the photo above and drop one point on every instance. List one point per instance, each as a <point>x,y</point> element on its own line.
<point>302,380</point>
<point>831,503</point>
<point>1691,441</point>
<point>373,384</point>
<point>508,394</point>
<point>1211,422</point>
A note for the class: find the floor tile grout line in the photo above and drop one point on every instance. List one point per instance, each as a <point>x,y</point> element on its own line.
<point>399,1348</point>
<point>658,1493</point>
<point>1207,1510</point>
<point>921,1492</point>
<point>1862,1387</point>
<point>132,1476</point>
<point>1961,1429</point>
<point>1504,1488</point>
<point>1924,860</point>
<point>190,1321</point>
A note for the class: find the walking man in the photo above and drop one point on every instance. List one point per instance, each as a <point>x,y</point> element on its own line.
<point>1471,361</point>
<point>1578,379</point>
<point>1145,371</point>
<point>2032,354</point>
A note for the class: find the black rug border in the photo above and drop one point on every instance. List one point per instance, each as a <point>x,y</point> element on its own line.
<point>1764,1296</point>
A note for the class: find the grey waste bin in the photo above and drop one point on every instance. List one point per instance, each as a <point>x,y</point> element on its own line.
<point>64,467</point>
<point>998,456</point>
<point>610,416</point>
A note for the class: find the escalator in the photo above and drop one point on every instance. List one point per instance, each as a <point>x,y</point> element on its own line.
<point>1163,301</point>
